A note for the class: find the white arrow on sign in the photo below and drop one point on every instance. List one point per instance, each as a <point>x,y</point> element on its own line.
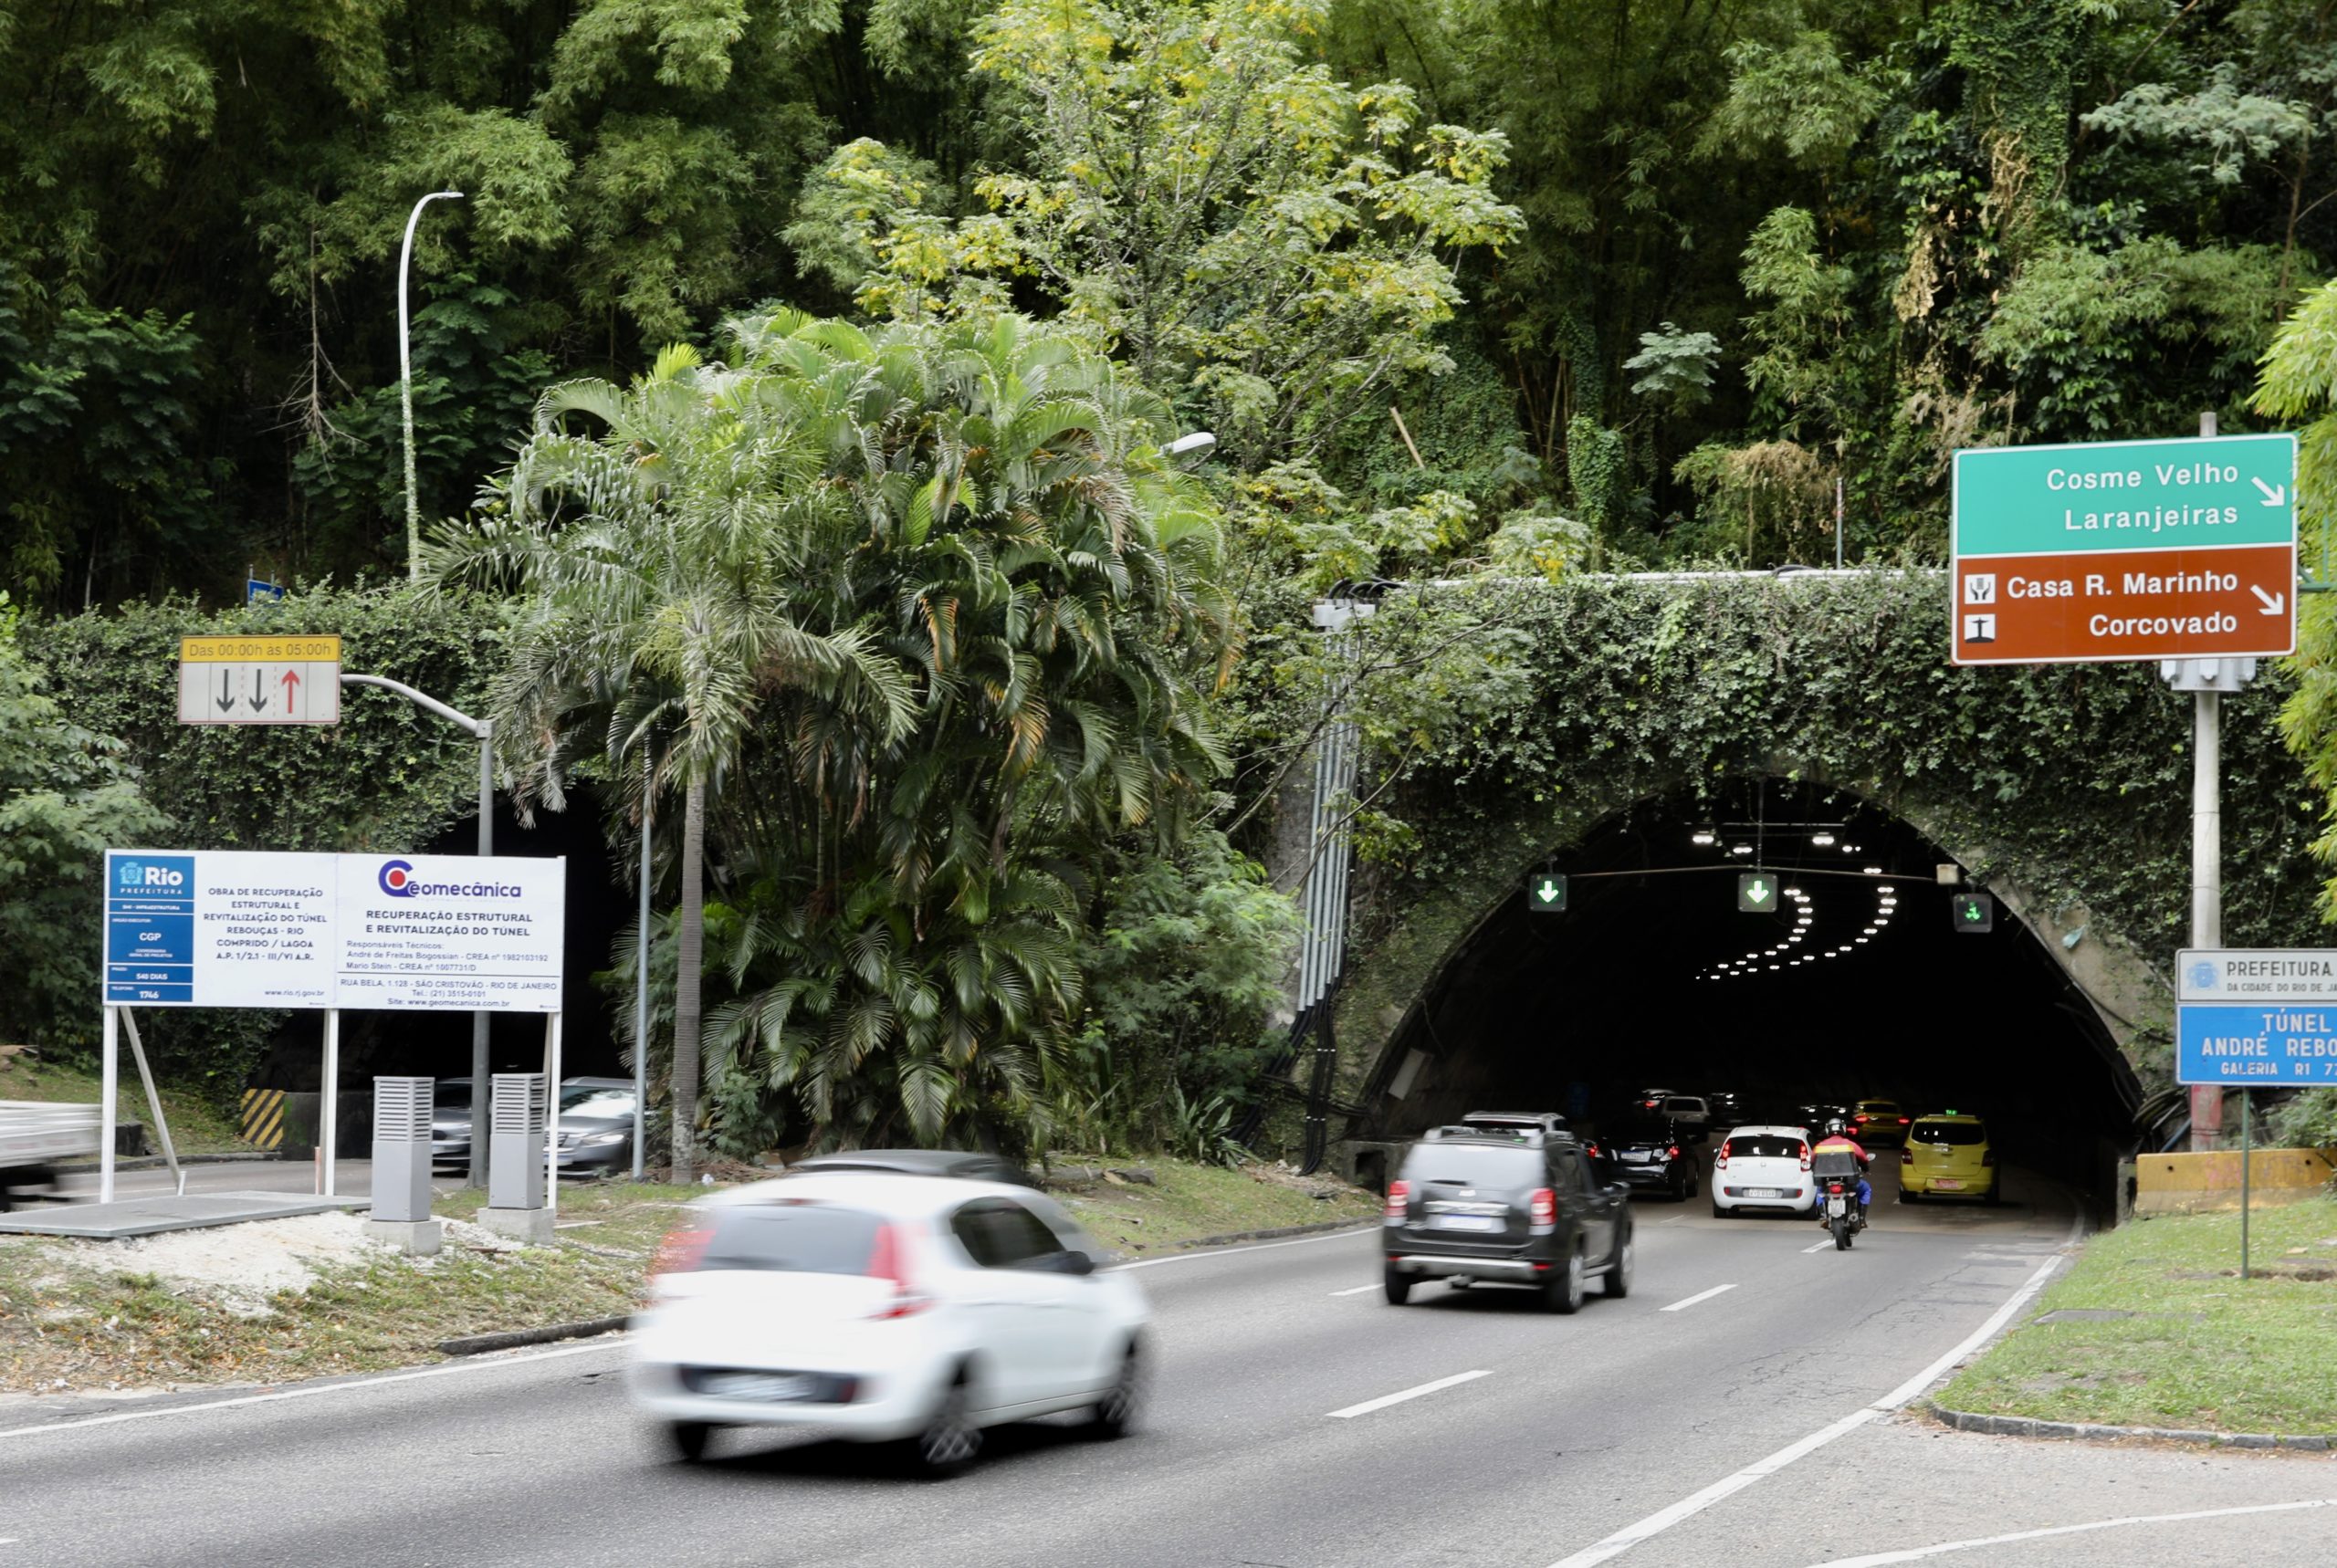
<point>2273,602</point>
<point>2274,495</point>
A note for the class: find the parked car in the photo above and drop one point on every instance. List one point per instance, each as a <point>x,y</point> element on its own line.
<point>1879,1123</point>
<point>883,1307</point>
<point>967,1164</point>
<point>1762,1169</point>
<point>596,1126</point>
<point>1516,1206</point>
<point>1948,1155</point>
<point>450,1125</point>
<point>1651,1152</point>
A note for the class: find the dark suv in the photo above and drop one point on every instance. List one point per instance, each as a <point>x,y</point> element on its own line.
<point>1513,1205</point>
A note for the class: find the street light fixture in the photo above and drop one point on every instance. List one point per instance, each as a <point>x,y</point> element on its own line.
<point>405,394</point>
<point>1198,445</point>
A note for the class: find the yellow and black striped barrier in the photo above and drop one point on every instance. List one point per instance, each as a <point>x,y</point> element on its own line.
<point>263,1117</point>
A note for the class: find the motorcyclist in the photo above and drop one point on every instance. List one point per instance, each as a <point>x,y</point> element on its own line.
<point>1838,1139</point>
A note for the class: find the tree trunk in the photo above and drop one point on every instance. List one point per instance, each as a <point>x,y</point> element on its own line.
<point>689,952</point>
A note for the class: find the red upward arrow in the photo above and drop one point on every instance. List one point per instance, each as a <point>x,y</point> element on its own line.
<point>291,690</point>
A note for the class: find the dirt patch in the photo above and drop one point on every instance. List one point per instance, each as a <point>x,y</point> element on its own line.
<point>240,1267</point>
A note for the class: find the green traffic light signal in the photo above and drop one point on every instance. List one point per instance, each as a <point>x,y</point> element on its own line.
<point>1973,912</point>
<point>1546,893</point>
<point>1756,892</point>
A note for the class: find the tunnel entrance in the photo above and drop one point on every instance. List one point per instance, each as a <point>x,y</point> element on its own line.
<point>1856,984</point>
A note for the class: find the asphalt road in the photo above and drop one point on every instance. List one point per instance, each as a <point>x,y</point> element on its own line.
<point>1740,1339</point>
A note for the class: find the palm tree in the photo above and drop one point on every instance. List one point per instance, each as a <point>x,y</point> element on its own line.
<point>659,561</point>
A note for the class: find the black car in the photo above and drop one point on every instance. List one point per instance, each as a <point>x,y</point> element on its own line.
<point>966,1165</point>
<point>1511,1205</point>
<point>1727,1109</point>
<point>1652,1153</point>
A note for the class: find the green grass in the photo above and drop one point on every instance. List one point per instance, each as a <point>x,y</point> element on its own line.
<point>2206,1350</point>
<point>198,1127</point>
<point>1192,1201</point>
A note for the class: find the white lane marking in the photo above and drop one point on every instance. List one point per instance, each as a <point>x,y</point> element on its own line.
<point>1819,1248</point>
<point>1656,1524</point>
<point>604,1343</point>
<point>1261,1246</point>
<point>1357,1291</point>
<point>1384,1400</point>
<point>1699,1296</point>
<point>1916,1554</point>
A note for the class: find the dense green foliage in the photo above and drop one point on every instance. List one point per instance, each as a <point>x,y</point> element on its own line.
<point>1702,259</point>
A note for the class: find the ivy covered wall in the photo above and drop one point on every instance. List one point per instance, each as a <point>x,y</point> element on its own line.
<point>1504,721</point>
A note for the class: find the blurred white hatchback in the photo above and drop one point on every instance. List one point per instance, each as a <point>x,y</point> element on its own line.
<point>1758,1169</point>
<point>883,1307</point>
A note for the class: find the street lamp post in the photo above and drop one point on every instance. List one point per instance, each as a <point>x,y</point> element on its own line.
<point>485,730</point>
<point>405,382</point>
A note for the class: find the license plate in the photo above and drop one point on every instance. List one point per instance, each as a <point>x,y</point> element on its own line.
<point>1836,1206</point>
<point>1944,1185</point>
<point>770,1387</point>
<point>1635,1156</point>
<point>1464,1222</point>
<point>1765,1192</point>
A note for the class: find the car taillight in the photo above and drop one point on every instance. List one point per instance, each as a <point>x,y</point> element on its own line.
<point>889,1261</point>
<point>1543,1206</point>
<point>1400,1198</point>
<point>1720,1160</point>
<point>1672,1153</point>
<point>1804,1157</point>
<point>1902,1121</point>
<point>1862,1116</point>
<point>1833,1186</point>
<point>1987,1157</point>
<point>1906,1156</point>
<point>683,1247</point>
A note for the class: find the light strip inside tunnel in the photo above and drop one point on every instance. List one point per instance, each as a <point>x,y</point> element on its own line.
<point>1886,905</point>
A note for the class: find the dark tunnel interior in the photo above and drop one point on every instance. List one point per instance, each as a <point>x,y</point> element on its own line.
<point>1857,984</point>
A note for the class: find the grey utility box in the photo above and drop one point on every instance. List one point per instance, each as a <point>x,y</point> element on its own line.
<point>401,1148</point>
<point>515,1158</point>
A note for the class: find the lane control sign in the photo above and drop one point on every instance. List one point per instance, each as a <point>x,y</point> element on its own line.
<point>1756,892</point>
<point>2124,549</point>
<point>259,680</point>
<point>1546,893</point>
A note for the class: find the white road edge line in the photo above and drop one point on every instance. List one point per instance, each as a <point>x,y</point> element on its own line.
<point>315,1390</point>
<point>1699,1296</point>
<point>1656,1524</point>
<point>1356,1291</point>
<point>1384,1400</point>
<point>1917,1554</point>
<point>1195,1256</point>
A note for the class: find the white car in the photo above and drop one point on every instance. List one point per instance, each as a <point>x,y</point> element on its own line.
<point>883,1307</point>
<point>1688,1112</point>
<point>1759,1169</point>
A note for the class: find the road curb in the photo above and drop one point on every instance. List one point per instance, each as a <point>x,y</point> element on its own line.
<point>157,1163</point>
<point>2031,1427</point>
<point>1317,1227</point>
<point>512,1339</point>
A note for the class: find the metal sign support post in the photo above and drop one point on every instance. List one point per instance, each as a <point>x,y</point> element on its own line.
<point>641,991</point>
<point>328,1112</point>
<point>551,1115</point>
<point>2246,1160</point>
<point>153,1100</point>
<point>2206,878</point>
<point>105,1118</point>
<point>485,730</point>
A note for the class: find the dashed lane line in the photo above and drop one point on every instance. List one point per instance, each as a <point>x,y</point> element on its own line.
<point>1358,1289</point>
<point>1384,1400</point>
<point>1917,1554</point>
<point>1699,1296</point>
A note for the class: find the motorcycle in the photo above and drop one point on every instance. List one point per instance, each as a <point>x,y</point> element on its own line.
<point>1838,1205</point>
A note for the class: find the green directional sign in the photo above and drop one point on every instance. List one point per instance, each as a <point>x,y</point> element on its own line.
<point>1756,892</point>
<point>1546,893</point>
<point>2126,494</point>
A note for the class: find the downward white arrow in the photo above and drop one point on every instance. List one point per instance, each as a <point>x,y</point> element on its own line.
<point>2273,602</point>
<point>2274,495</point>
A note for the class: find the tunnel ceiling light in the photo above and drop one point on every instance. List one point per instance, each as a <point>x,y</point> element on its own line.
<point>1773,966</point>
<point>1859,940</point>
<point>1875,871</point>
<point>1704,836</point>
<point>1823,841</point>
<point>1741,849</point>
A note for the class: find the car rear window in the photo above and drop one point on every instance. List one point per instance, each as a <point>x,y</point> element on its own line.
<point>1948,1133</point>
<point>1763,1147</point>
<point>792,1239</point>
<point>1474,1165</point>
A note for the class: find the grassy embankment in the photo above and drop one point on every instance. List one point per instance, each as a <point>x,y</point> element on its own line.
<point>81,1315</point>
<point>198,1127</point>
<point>2201,1351</point>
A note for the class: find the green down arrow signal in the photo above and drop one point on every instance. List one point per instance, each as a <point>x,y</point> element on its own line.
<point>1756,894</point>
<point>1546,893</point>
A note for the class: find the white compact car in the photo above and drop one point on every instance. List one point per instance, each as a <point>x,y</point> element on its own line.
<point>882,1307</point>
<point>1763,1168</point>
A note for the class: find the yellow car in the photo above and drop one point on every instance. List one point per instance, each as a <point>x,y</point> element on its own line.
<point>1947,1155</point>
